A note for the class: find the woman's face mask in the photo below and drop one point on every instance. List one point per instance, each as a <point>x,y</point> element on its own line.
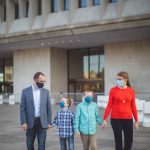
<point>120,83</point>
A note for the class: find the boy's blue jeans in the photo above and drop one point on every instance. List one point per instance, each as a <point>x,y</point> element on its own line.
<point>63,143</point>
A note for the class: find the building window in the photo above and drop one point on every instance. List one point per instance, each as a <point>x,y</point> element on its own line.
<point>54,5</point>
<point>6,75</point>
<point>39,11</point>
<point>86,70</point>
<point>17,11</point>
<point>96,2</point>
<point>112,1</point>
<point>66,4</point>
<point>3,14</point>
<point>27,8</point>
<point>82,3</point>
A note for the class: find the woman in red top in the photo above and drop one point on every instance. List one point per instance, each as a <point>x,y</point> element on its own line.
<point>122,106</point>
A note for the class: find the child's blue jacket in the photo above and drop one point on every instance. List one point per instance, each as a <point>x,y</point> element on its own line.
<point>86,117</point>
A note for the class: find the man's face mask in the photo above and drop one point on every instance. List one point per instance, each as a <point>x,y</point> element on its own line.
<point>40,84</point>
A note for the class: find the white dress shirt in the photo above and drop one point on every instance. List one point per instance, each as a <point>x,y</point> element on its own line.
<point>36,97</point>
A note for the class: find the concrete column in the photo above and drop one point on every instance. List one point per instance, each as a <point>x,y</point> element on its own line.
<point>45,10</point>
<point>73,7</point>
<point>32,11</point>
<point>10,13</point>
<point>120,4</point>
<point>22,8</point>
<point>89,3</point>
<point>24,68</point>
<point>32,8</point>
<point>59,79</point>
<point>60,5</point>
<point>103,6</point>
<point>1,10</point>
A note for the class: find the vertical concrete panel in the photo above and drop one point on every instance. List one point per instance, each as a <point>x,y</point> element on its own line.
<point>133,57</point>
<point>59,78</point>
<point>28,62</point>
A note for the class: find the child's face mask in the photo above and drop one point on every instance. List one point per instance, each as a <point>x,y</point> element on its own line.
<point>88,99</point>
<point>62,104</point>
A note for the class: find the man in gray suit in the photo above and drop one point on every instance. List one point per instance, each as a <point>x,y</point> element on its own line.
<point>35,112</point>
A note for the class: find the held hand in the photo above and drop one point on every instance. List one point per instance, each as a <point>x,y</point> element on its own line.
<point>49,126</point>
<point>136,125</point>
<point>104,124</point>
<point>78,134</point>
<point>24,127</point>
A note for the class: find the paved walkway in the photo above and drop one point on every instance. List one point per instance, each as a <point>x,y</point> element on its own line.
<point>13,138</point>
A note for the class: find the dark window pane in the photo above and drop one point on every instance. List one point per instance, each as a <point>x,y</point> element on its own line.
<point>1,71</point>
<point>94,66</point>
<point>66,4</point>
<point>6,75</point>
<point>16,11</point>
<point>77,63</point>
<point>39,7</point>
<point>82,3</point>
<point>101,67</point>
<point>27,8</point>
<point>112,1</point>
<point>86,67</point>
<point>54,5</point>
<point>96,2</point>
<point>4,13</point>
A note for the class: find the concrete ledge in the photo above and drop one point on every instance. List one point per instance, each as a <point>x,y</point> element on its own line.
<point>1,99</point>
<point>11,99</point>
<point>1,102</point>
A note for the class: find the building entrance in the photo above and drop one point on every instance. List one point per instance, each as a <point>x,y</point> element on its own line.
<point>86,70</point>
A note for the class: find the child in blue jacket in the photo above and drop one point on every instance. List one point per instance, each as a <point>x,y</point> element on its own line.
<point>87,114</point>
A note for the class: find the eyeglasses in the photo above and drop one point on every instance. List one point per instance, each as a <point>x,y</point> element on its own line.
<point>119,78</point>
<point>41,81</point>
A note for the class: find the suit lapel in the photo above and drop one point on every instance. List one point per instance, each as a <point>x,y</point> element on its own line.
<point>41,96</point>
<point>31,95</point>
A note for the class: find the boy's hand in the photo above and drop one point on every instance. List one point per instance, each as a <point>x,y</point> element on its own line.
<point>78,134</point>
<point>104,125</point>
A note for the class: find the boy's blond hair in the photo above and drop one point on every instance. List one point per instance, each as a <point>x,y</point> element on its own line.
<point>88,91</point>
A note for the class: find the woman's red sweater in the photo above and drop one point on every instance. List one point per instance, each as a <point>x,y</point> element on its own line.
<point>121,104</point>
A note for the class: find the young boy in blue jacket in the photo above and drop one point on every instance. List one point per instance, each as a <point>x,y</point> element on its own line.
<point>87,114</point>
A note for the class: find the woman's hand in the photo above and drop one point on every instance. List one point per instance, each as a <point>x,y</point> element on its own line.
<point>104,124</point>
<point>136,125</point>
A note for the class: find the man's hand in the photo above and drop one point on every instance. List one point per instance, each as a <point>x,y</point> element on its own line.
<point>49,126</point>
<point>24,127</point>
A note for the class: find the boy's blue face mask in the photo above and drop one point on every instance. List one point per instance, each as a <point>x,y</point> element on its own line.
<point>88,99</point>
<point>62,104</point>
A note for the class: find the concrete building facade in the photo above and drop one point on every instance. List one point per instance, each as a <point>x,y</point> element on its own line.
<point>77,44</point>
